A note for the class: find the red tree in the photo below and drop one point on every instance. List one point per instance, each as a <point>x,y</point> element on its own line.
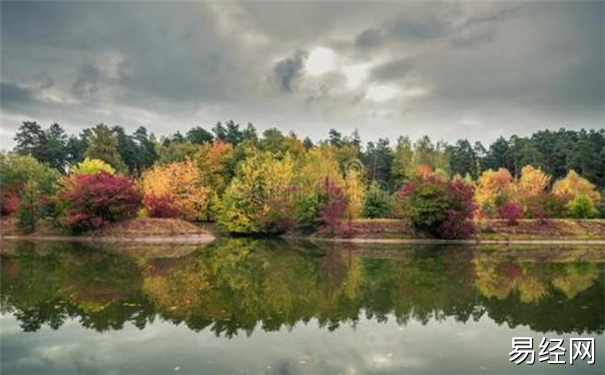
<point>160,206</point>
<point>511,212</point>
<point>95,200</point>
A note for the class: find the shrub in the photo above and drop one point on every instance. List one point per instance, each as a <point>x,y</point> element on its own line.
<point>91,166</point>
<point>377,203</point>
<point>582,207</point>
<point>439,207</point>
<point>159,206</point>
<point>511,212</point>
<point>94,200</point>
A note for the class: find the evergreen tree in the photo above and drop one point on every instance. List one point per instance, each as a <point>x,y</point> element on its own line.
<point>250,134</point>
<point>335,138</point>
<point>103,145</point>
<point>463,159</point>
<point>199,135</point>
<point>147,153</point>
<point>308,143</point>
<point>127,148</point>
<point>378,160</point>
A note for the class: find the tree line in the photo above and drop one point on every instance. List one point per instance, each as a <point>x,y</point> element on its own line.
<point>273,182</point>
<point>554,152</point>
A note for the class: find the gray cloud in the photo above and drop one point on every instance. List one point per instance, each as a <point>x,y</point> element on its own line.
<point>368,38</point>
<point>455,68</point>
<point>288,70</point>
<point>88,81</point>
<point>11,94</point>
<point>392,70</point>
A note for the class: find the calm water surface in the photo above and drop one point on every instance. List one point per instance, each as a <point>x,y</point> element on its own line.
<point>274,307</point>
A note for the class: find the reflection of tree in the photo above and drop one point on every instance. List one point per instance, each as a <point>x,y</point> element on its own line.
<point>530,280</point>
<point>576,278</point>
<point>242,285</point>
<point>561,297</point>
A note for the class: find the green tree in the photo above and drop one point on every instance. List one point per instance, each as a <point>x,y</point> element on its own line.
<point>30,139</point>
<point>378,161</point>
<point>55,147</point>
<point>582,207</point>
<point>47,146</point>
<point>33,182</point>
<point>199,135</point>
<point>463,160</point>
<point>127,148</point>
<point>377,203</point>
<point>147,154</point>
<point>103,145</point>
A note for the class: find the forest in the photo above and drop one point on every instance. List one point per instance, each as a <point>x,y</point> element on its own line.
<point>272,183</point>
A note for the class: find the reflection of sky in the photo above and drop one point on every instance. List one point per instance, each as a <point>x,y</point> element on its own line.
<point>438,347</point>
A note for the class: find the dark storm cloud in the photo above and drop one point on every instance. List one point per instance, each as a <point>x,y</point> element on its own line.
<point>288,70</point>
<point>12,95</point>
<point>455,68</point>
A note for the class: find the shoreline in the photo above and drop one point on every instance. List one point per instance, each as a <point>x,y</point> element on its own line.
<point>180,239</point>
<point>208,238</point>
<point>429,241</point>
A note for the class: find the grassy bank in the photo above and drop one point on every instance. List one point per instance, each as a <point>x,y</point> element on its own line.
<point>487,230</point>
<point>170,230</point>
<point>139,229</point>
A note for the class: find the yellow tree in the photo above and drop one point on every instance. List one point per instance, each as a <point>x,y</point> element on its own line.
<point>493,186</point>
<point>257,198</point>
<point>317,164</point>
<point>182,183</point>
<point>213,160</point>
<point>531,183</point>
<point>92,166</point>
<point>354,191</point>
<point>572,186</point>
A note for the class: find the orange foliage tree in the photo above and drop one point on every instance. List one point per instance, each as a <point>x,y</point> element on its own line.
<point>182,184</point>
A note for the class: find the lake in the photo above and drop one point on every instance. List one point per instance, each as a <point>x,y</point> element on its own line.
<point>243,306</point>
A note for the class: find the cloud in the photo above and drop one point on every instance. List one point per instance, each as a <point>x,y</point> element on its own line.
<point>173,65</point>
<point>287,71</point>
<point>12,94</point>
<point>368,38</point>
<point>392,70</point>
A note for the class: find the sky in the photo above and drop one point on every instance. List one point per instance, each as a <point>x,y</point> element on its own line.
<point>449,70</point>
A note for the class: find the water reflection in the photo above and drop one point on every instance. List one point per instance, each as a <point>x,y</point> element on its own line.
<point>237,286</point>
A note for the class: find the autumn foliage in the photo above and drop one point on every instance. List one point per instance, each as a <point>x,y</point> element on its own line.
<point>439,207</point>
<point>511,212</point>
<point>94,200</point>
<point>179,183</point>
<point>493,188</point>
<point>159,206</point>
<point>257,201</point>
